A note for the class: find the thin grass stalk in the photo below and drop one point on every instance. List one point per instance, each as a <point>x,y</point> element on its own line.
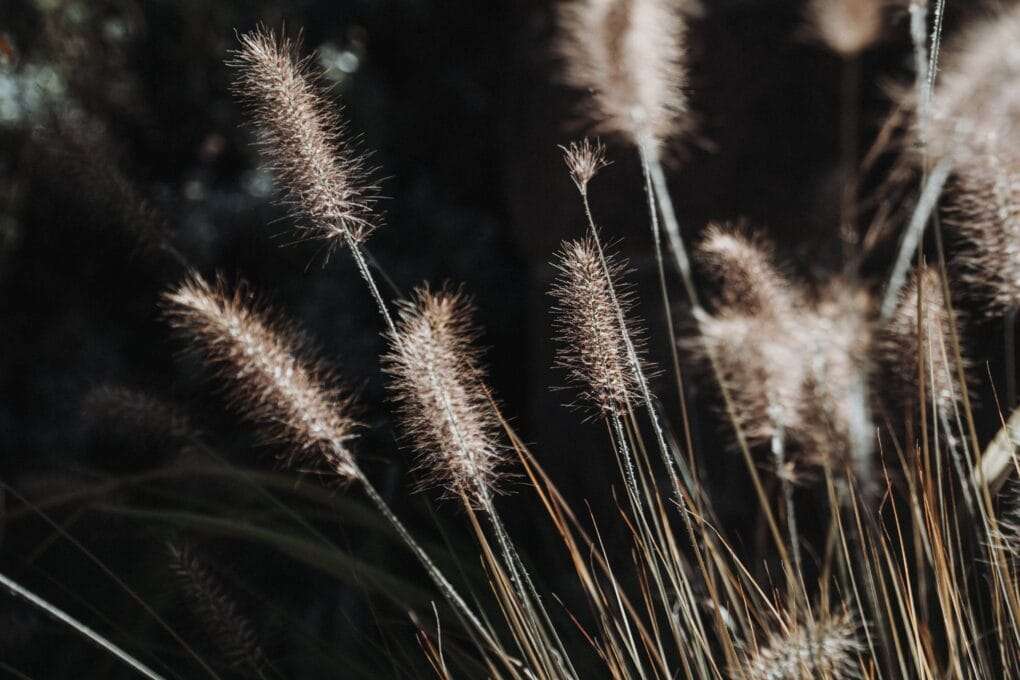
<point>1010,343</point>
<point>55,612</point>
<point>632,355</point>
<point>653,546</point>
<point>653,168</point>
<point>447,589</point>
<point>116,579</point>
<point>653,216</point>
<point>926,204</point>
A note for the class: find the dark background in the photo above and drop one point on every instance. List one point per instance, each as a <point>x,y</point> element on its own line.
<point>460,106</point>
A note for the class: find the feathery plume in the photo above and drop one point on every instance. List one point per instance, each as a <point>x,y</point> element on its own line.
<point>77,149</point>
<point>583,161</point>
<point>232,633</point>
<point>136,421</point>
<point>303,139</point>
<point>593,351</point>
<point>828,649</point>
<point>439,385</point>
<point>847,27</point>
<point>269,382</point>
<point>630,55</point>
<point>793,365</point>
<point>975,121</point>
<point>900,345</point>
<point>745,268</point>
<point>835,342</point>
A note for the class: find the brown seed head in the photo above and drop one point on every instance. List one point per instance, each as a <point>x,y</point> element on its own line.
<point>592,349</point>
<point>630,55</point>
<point>438,382</point>
<point>269,382</point>
<point>303,139</point>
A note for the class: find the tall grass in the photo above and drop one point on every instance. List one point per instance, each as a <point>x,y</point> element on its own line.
<point>847,400</point>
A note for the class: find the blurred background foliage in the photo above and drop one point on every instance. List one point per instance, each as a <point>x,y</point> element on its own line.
<point>107,105</point>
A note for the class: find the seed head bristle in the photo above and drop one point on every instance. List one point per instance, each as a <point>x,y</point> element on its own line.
<point>232,632</point>
<point>829,648</point>
<point>592,350</point>
<point>900,345</point>
<point>303,140</point>
<point>439,386</point>
<point>793,364</point>
<point>745,269</point>
<point>583,161</point>
<point>847,27</point>
<point>629,54</point>
<point>975,121</point>
<point>269,382</point>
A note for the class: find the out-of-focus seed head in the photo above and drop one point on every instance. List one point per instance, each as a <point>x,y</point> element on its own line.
<point>629,54</point>
<point>847,27</point>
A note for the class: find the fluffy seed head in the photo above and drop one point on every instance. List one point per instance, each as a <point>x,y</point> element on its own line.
<point>792,363</point>
<point>593,351</point>
<point>583,161</point>
<point>439,385</point>
<point>138,422</point>
<point>976,106</point>
<point>630,55</point>
<point>828,649</point>
<point>269,382</point>
<point>745,269</point>
<point>232,632</point>
<point>900,344</point>
<point>976,121</point>
<point>303,140</point>
<point>847,27</point>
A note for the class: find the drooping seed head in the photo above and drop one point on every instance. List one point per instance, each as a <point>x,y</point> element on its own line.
<point>630,55</point>
<point>303,140</point>
<point>269,381</point>
<point>593,350</point>
<point>439,385</point>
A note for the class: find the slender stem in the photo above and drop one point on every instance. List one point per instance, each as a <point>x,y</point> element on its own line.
<point>649,156</point>
<point>653,215</point>
<point>81,628</point>
<point>912,237</point>
<point>779,454</point>
<point>445,587</point>
<point>635,361</point>
<point>366,274</point>
<point>919,37</point>
<point>1011,358</point>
